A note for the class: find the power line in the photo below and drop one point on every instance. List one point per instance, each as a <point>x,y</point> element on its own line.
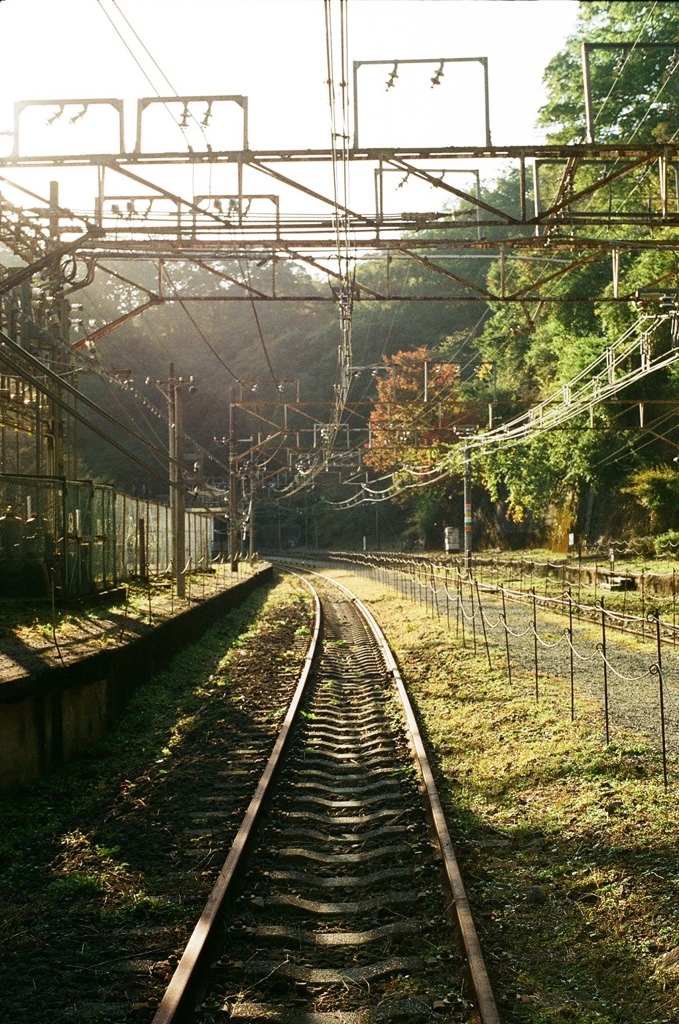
<point>141,67</point>
<point>617,74</point>
<point>198,330</point>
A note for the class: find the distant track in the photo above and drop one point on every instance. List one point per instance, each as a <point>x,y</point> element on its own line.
<point>341,901</point>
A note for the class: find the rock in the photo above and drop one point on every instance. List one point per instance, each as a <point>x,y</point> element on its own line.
<point>535,896</point>
<point>671,959</point>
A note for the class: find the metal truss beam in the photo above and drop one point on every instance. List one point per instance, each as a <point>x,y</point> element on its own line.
<point>546,151</point>
<point>554,219</point>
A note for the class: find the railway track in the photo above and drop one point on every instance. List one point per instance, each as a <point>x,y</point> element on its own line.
<point>340,901</point>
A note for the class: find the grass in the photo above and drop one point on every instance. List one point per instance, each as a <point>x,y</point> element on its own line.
<point>88,853</point>
<point>568,848</point>
<point>81,627</point>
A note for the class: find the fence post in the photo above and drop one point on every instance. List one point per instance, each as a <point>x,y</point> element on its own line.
<point>434,592</point>
<point>603,651</point>
<point>483,624</point>
<point>143,558</point>
<point>661,690</point>
<point>535,643</point>
<point>471,598</point>
<point>570,651</point>
<point>506,627</point>
<point>447,599</point>
<point>457,602</point>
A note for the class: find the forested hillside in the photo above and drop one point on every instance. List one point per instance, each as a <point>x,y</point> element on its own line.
<point>610,481</point>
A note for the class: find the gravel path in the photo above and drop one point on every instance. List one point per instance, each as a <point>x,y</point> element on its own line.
<point>633,686</point>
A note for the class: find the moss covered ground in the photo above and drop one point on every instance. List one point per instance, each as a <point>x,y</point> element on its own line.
<point>568,847</point>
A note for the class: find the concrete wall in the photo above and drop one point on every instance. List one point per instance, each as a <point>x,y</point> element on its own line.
<point>51,717</point>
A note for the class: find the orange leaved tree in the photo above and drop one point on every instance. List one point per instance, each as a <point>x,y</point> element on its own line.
<point>414,413</point>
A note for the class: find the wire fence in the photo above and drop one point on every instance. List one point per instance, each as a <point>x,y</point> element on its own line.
<point>597,573</point>
<point>74,538</point>
<point>629,663</point>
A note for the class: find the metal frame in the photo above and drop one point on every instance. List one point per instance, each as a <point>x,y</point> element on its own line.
<point>442,61</point>
<point>89,101</point>
<point>587,49</point>
<point>147,101</point>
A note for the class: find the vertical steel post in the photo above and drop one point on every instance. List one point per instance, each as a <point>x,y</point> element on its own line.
<point>233,493</point>
<point>434,592</point>
<point>506,627</point>
<point>457,603</point>
<point>467,510</point>
<point>486,99</point>
<point>180,526</point>
<point>570,651</point>
<point>172,452</point>
<point>464,640</point>
<point>483,624</point>
<point>661,692</point>
<point>251,547</point>
<point>143,560</point>
<point>588,92</point>
<point>535,643</point>
<point>603,652</point>
<point>471,598</point>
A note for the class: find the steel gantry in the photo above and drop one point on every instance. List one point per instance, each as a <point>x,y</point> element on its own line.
<point>223,208</point>
<point>570,208</point>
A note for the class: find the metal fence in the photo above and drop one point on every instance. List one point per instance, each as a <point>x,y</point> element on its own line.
<point>629,663</point>
<point>76,537</point>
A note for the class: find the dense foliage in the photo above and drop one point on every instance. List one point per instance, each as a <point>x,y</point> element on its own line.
<point>599,478</point>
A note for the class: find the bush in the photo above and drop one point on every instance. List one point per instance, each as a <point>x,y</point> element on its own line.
<point>656,489</point>
<point>667,544</point>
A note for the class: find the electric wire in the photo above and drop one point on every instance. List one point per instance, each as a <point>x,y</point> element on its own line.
<point>539,419</point>
<point>339,163</point>
<point>255,314</point>
<point>155,63</point>
<point>617,74</point>
<point>200,333</point>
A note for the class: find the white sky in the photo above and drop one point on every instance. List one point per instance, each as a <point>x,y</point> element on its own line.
<point>273,51</point>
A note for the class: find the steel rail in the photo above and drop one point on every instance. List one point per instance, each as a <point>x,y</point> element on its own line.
<point>485,998</point>
<point>178,1002</point>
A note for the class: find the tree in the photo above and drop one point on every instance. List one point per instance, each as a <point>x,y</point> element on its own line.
<point>635,91</point>
<point>417,406</point>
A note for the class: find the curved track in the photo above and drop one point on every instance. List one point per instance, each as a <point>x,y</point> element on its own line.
<point>349,907</point>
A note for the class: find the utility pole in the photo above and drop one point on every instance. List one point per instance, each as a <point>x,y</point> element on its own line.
<point>467,510</point>
<point>173,391</point>
<point>177,478</point>
<point>251,547</point>
<point>233,492</point>
<point>56,466</point>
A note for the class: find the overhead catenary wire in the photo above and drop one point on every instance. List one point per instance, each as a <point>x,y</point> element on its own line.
<point>595,383</point>
<point>200,333</point>
<point>339,140</point>
<point>618,72</point>
<point>255,314</point>
<point>140,65</point>
<point>53,394</point>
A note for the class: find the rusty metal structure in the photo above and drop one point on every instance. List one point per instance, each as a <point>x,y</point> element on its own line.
<point>574,205</point>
